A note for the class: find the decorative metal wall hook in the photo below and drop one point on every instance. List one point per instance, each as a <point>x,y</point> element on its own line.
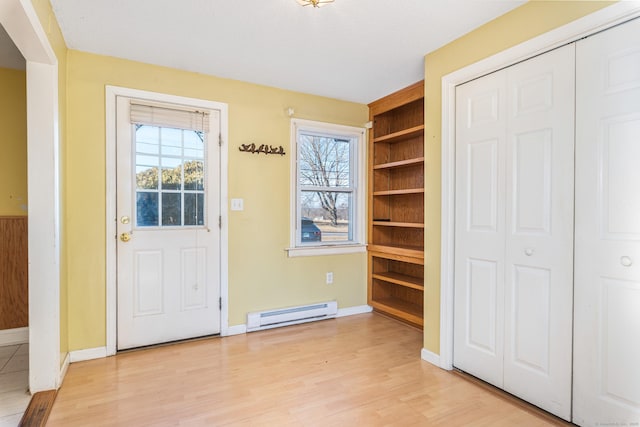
<point>266,149</point>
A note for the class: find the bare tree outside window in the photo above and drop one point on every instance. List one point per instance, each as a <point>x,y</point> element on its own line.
<point>324,170</point>
<point>326,188</point>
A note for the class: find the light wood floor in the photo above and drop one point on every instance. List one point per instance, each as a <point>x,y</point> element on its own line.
<point>362,370</point>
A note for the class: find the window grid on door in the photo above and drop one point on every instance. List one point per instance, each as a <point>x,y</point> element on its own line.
<point>169,177</point>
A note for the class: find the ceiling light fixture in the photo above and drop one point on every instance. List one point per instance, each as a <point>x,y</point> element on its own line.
<point>314,3</point>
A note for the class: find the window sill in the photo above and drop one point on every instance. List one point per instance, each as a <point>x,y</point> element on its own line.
<point>325,250</point>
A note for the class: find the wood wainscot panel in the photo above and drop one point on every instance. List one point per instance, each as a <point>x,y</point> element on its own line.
<point>14,283</point>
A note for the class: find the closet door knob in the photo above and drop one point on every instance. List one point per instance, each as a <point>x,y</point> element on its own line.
<point>528,251</point>
<point>626,261</point>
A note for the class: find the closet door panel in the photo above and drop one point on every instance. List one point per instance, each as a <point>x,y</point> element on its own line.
<point>539,223</point>
<point>480,232</point>
<point>607,256</point>
<point>532,182</point>
<point>619,155</point>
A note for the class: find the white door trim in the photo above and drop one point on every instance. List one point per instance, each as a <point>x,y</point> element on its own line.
<point>21,22</point>
<point>590,24</point>
<point>111,93</point>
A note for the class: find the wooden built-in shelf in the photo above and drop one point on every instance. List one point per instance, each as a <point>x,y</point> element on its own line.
<point>400,279</point>
<point>401,135</point>
<point>407,251</point>
<point>397,192</point>
<point>399,224</point>
<point>396,257</point>
<point>400,308</point>
<point>400,163</point>
<point>396,205</point>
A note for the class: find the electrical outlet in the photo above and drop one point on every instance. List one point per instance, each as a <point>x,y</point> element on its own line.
<point>237,204</point>
<point>329,278</point>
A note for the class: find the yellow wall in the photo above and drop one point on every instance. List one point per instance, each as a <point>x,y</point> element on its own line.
<point>521,24</point>
<point>51,28</point>
<point>260,274</point>
<point>13,142</point>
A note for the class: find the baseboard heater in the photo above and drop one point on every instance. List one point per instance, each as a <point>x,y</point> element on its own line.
<point>290,316</point>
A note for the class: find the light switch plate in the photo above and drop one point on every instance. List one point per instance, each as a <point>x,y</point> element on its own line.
<point>237,204</point>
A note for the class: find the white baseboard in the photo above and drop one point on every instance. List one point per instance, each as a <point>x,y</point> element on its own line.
<point>63,370</point>
<point>430,357</point>
<point>14,336</point>
<point>236,330</point>
<point>87,354</point>
<point>350,311</point>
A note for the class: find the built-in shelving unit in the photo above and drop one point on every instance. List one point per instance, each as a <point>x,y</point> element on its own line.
<point>396,205</point>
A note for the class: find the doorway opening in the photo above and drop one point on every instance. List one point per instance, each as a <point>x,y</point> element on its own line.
<point>23,27</point>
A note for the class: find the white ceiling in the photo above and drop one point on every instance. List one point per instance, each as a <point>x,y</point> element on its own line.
<point>355,50</point>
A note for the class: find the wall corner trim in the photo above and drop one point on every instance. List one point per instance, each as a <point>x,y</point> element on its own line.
<point>235,330</point>
<point>430,357</point>
<point>87,354</point>
<point>350,311</point>
<point>63,370</point>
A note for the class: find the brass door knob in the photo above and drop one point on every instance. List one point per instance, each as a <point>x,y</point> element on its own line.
<point>125,237</point>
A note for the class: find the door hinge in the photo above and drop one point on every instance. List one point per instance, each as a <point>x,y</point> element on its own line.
<point>220,221</point>
<point>220,303</point>
<point>220,139</point>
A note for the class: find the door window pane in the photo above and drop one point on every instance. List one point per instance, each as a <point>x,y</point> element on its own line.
<point>193,209</point>
<point>145,148</point>
<point>194,145</point>
<point>172,151</point>
<point>171,209</point>
<point>147,134</point>
<point>194,175</point>
<point>146,209</point>
<point>171,173</point>
<point>171,138</point>
<point>146,178</point>
<point>194,140</point>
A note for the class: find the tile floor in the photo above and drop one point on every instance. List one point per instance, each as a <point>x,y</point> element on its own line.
<point>14,383</point>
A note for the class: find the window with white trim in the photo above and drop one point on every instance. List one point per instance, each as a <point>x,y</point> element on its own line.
<point>327,188</point>
<point>170,165</point>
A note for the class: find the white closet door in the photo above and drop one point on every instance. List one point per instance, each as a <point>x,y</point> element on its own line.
<point>514,229</point>
<point>480,229</point>
<point>538,292</point>
<point>607,258</point>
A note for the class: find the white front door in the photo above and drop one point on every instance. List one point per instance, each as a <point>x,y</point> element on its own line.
<point>168,206</point>
<point>514,229</point>
<point>607,259</point>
